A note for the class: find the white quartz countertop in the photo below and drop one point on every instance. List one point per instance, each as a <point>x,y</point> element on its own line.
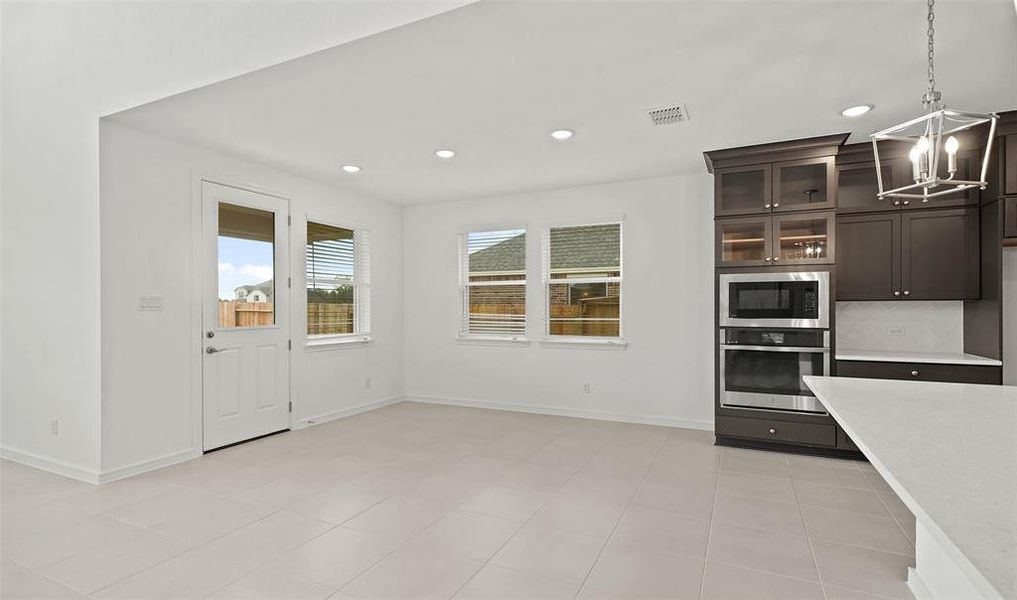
<point>949,451</point>
<point>945,358</point>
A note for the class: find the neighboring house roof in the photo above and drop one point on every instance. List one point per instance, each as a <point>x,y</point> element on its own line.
<point>265,287</point>
<point>584,247</point>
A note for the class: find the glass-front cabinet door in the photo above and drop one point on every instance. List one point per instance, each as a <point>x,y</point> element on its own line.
<point>858,188</point>
<point>743,190</point>
<point>744,241</point>
<point>803,185</point>
<point>803,238</point>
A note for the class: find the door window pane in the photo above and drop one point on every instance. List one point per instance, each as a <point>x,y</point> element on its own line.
<point>246,266</point>
<point>803,184</point>
<point>743,190</point>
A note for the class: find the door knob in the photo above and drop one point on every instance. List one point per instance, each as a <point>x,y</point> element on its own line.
<point>211,350</point>
<point>210,334</point>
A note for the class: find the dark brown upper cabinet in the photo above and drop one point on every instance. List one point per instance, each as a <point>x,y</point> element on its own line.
<point>743,190</point>
<point>1008,145</point>
<point>868,265</point>
<point>940,254</point>
<point>801,238</point>
<point>858,187</point>
<point>1010,217</point>
<point>789,176</point>
<point>804,185</point>
<point>920,255</point>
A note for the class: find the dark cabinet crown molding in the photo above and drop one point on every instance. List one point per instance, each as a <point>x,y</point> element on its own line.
<point>824,145</point>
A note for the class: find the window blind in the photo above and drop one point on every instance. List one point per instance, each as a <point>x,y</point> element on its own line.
<point>493,283</point>
<point>582,272</point>
<point>337,280</point>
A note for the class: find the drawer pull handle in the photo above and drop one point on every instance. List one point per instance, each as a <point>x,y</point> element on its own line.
<point>896,293</point>
<point>914,373</point>
<point>772,431</point>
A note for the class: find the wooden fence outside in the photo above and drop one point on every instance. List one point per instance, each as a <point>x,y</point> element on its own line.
<point>566,319</point>
<point>322,319</point>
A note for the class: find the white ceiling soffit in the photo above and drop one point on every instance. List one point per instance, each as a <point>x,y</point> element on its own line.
<point>491,80</point>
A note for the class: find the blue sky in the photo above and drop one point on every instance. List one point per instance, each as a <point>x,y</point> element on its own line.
<point>242,262</point>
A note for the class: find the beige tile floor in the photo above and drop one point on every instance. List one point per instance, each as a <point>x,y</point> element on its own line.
<point>422,501</point>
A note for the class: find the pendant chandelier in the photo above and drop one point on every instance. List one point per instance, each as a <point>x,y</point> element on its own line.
<point>931,135</point>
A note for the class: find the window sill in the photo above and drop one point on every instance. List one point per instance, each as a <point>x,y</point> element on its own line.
<point>337,343</point>
<point>481,340</point>
<point>591,342</point>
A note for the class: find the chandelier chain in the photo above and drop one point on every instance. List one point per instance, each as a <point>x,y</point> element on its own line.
<point>932,51</point>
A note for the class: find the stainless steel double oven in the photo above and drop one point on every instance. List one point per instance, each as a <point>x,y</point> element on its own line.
<point>774,330</point>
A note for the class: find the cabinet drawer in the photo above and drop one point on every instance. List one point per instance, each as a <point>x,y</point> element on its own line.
<point>777,431</point>
<point>920,372</point>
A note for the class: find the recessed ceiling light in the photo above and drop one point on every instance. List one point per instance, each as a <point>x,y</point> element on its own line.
<point>856,111</point>
<point>444,153</point>
<point>351,168</point>
<point>562,134</point>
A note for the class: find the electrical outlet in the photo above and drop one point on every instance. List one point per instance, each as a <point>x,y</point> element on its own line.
<point>586,388</point>
<point>896,331</point>
<point>54,427</point>
<point>367,383</point>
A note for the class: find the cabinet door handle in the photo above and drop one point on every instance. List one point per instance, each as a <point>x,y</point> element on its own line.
<point>896,293</point>
<point>772,431</point>
<point>907,292</point>
<point>767,206</point>
<point>915,373</point>
<point>767,259</point>
<point>906,202</point>
<point>776,204</point>
<point>896,202</point>
<point>776,258</point>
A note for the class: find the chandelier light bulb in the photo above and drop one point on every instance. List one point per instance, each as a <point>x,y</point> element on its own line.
<point>923,144</point>
<point>951,146</point>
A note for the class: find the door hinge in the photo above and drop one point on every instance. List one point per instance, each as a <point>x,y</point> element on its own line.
<point>291,406</point>
<point>289,220</point>
<point>289,344</point>
<point>289,282</point>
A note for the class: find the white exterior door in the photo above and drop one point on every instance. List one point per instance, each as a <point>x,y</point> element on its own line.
<point>245,315</point>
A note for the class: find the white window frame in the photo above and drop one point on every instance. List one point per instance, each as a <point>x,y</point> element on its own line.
<point>464,284</point>
<point>607,342</point>
<point>361,335</point>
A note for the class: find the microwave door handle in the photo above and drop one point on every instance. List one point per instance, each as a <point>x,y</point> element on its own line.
<point>774,348</point>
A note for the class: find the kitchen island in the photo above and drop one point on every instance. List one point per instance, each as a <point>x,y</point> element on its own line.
<point>949,451</point>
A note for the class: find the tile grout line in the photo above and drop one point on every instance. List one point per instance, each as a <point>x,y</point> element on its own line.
<point>621,516</point>
<point>808,538</point>
<point>709,533</point>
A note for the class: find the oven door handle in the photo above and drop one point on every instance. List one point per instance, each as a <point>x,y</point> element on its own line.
<point>773,348</point>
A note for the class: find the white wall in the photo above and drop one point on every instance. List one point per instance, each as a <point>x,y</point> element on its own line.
<point>150,213</point>
<point>64,65</point>
<point>666,373</point>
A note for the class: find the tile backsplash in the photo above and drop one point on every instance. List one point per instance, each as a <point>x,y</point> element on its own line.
<point>901,326</point>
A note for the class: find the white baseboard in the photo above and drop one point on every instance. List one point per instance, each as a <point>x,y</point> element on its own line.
<point>347,412</point>
<point>53,466</point>
<point>562,412</point>
<point>148,465</point>
<point>918,588</point>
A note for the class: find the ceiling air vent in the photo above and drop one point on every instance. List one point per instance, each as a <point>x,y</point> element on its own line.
<point>668,115</point>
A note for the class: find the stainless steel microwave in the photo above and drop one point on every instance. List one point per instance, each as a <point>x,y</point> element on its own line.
<point>792,300</point>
